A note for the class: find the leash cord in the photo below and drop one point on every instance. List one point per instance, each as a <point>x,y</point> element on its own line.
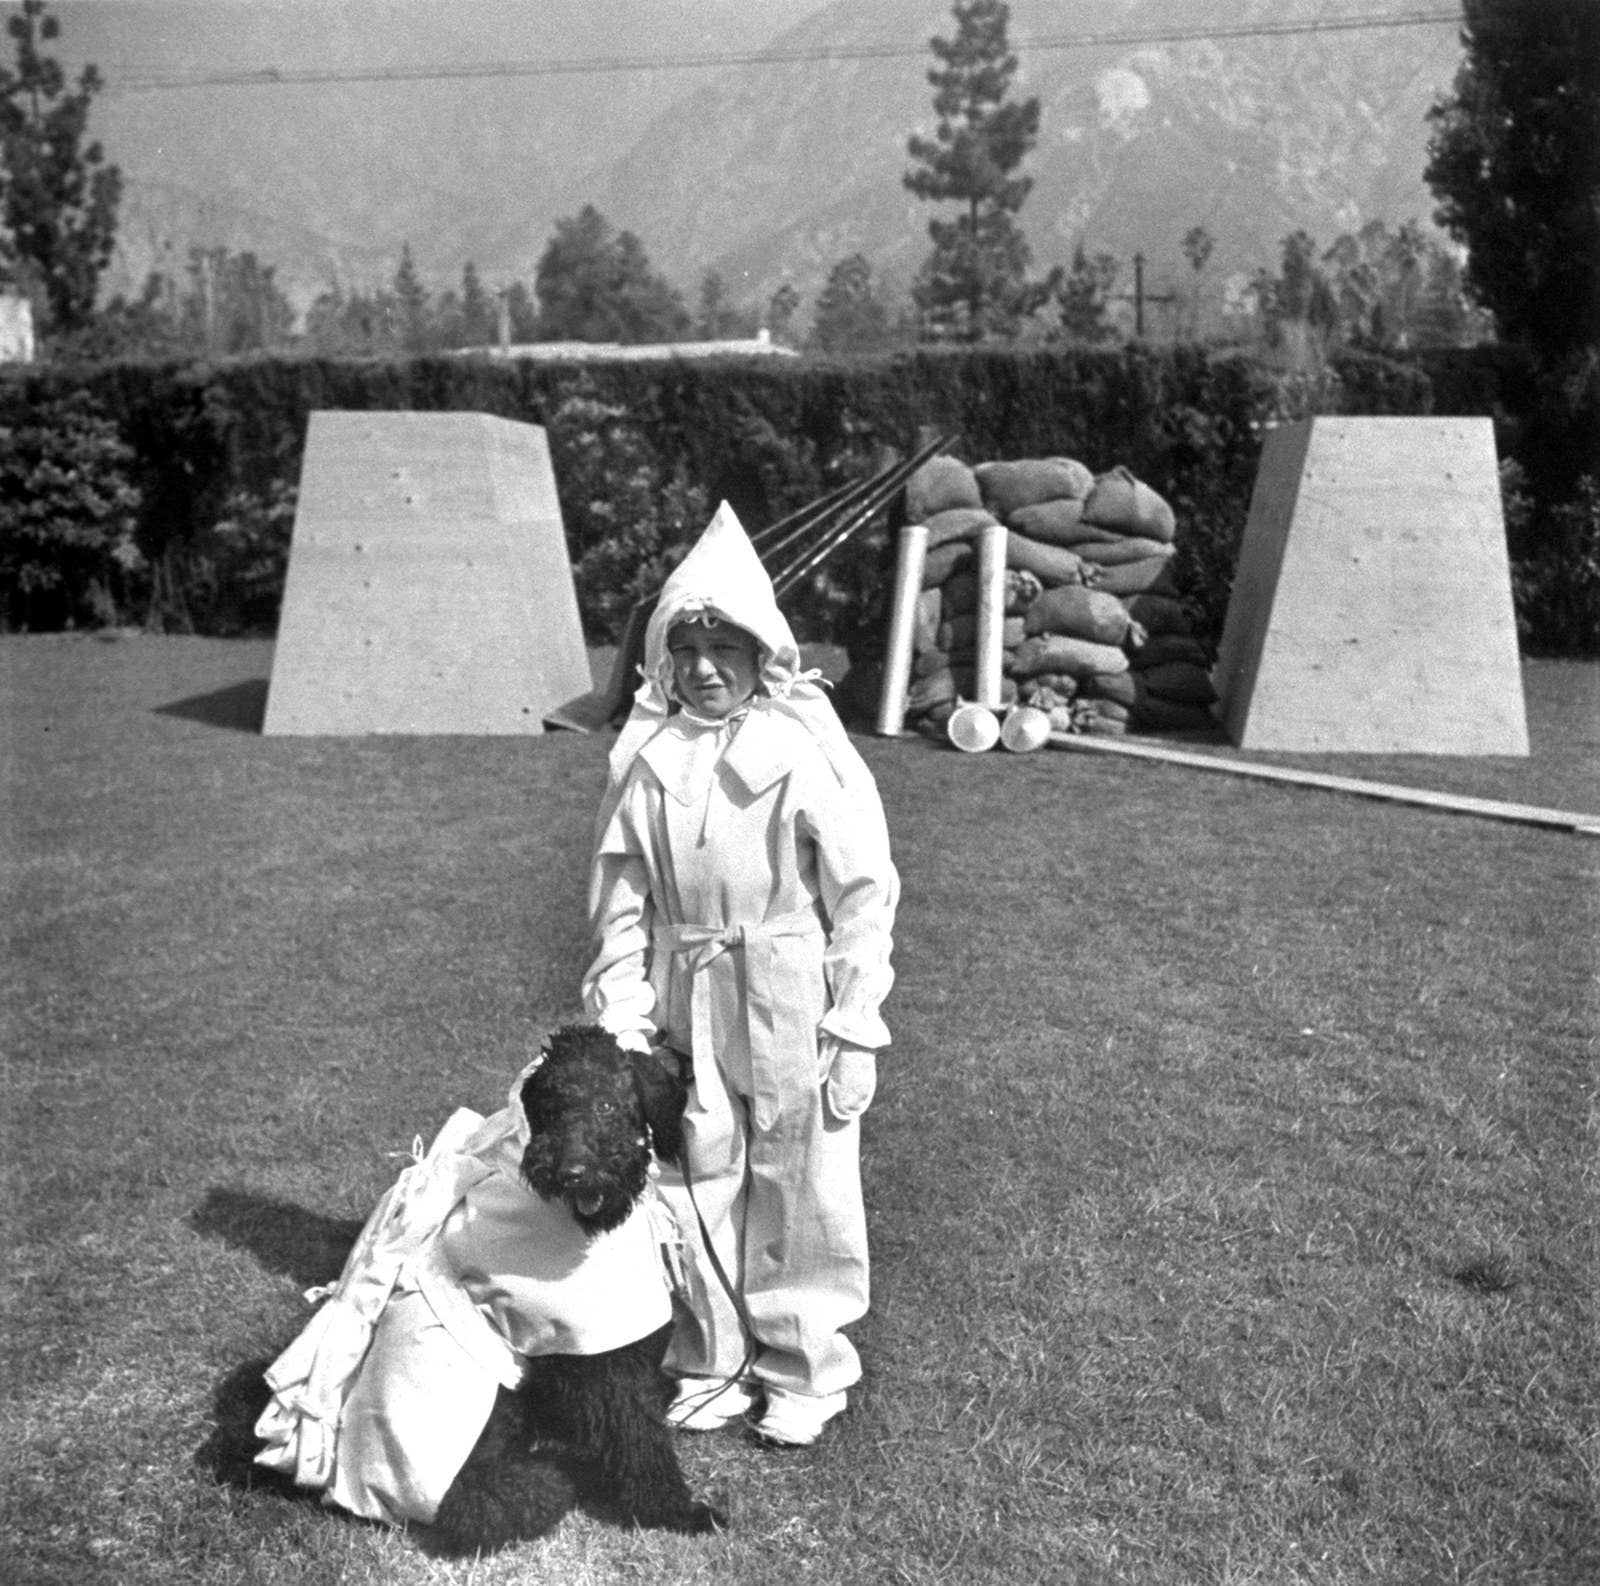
<point>710,1395</point>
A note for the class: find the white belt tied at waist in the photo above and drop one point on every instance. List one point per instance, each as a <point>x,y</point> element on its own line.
<point>702,946</point>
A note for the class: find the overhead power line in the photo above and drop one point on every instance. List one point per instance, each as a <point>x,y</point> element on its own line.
<point>271,76</point>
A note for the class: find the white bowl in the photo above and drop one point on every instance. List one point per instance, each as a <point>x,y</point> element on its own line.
<point>1025,728</point>
<point>973,728</point>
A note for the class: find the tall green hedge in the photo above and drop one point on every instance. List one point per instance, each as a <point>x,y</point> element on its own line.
<point>642,449</point>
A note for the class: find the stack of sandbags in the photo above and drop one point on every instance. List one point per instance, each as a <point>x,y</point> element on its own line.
<point>1093,630</point>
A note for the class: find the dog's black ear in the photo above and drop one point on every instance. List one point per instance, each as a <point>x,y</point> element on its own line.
<point>535,1091</point>
<point>659,1084</point>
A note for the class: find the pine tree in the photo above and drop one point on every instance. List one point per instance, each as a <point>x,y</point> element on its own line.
<point>233,304</point>
<point>1515,163</point>
<point>594,284</point>
<point>850,317</point>
<point>58,197</point>
<point>479,320</point>
<point>713,306</point>
<point>782,307</point>
<point>1084,297</point>
<point>411,304</point>
<point>974,283</point>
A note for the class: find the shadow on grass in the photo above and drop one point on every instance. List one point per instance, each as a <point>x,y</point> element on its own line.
<point>283,1237</point>
<point>229,1451</point>
<point>240,706</point>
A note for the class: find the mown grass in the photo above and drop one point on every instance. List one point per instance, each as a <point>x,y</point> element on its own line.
<point>1232,1185</point>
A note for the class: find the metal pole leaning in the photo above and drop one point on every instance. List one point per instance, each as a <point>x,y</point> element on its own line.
<point>912,554</point>
<point>879,492</point>
<point>778,537</point>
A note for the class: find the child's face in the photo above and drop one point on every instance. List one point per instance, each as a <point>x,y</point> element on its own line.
<point>715,666</point>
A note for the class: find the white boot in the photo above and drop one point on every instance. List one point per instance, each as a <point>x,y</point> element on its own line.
<point>796,1419</point>
<point>707,1404</point>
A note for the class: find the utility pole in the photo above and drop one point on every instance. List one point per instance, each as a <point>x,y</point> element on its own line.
<point>1141,297</point>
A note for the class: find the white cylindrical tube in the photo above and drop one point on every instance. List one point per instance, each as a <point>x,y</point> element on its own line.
<point>902,625</point>
<point>991,614</point>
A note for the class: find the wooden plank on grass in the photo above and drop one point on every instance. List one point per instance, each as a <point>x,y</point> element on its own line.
<point>1452,803</point>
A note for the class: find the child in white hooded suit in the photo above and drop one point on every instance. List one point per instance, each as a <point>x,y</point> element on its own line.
<point>742,903</point>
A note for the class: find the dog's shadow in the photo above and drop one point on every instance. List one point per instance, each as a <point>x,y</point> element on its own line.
<point>288,1239</point>
<point>285,1238</point>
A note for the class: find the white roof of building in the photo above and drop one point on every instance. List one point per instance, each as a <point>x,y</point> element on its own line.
<point>761,346</point>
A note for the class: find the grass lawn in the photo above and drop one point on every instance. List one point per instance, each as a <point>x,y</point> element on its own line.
<point>1233,1181</point>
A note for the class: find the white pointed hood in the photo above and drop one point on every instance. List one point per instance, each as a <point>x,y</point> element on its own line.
<point>722,575</point>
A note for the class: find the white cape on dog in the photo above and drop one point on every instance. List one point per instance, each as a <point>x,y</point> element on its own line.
<point>459,1273</point>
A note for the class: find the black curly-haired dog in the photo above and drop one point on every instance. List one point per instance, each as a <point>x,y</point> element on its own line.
<point>583,1425</point>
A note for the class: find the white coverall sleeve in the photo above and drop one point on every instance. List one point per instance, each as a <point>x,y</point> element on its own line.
<point>860,890</point>
<point>617,992</point>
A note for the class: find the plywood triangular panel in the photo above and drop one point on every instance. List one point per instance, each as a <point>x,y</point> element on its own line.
<point>1371,608</point>
<point>429,586</point>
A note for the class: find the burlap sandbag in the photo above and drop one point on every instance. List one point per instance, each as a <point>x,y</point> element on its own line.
<point>1061,719</point>
<point>944,561</point>
<point>960,592</point>
<point>1103,727</point>
<point>1022,589</point>
<point>924,663</point>
<point>932,720</point>
<point>961,633</point>
<point>1158,614</point>
<point>956,523</point>
<point>1164,647</point>
<point>1008,486</point>
<point>938,485</point>
<point>926,692</point>
<point>1046,696</point>
<point>966,681</point>
<point>1061,682</point>
<point>1167,715</point>
<point>1116,686</point>
<point>1057,652</point>
<point>1121,501</point>
<point>1050,564</point>
<point>1113,553</point>
<point>1105,709</point>
<point>1058,523</point>
<point>926,616</point>
<point>1182,682</point>
<point>1151,575</point>
<point>1081,613</point>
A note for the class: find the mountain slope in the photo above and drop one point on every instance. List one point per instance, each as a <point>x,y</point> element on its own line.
<point>1250,137</point>
<point>765,172</point>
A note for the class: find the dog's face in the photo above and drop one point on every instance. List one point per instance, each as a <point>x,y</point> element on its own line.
<point>594,1113</point>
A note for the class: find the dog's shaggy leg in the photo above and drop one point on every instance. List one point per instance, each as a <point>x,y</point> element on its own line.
<point>508,1490</point>
<point>613,1408</point>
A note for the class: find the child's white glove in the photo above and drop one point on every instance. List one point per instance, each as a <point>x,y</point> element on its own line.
<point>849,1076</point>
<point>633,1041</point>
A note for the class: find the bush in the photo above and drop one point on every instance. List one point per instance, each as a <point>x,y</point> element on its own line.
<point>1557,588</point>
<point>624,509</point>
<point>642,451</point>
<point>69,513</point>
<point>236,573</point>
